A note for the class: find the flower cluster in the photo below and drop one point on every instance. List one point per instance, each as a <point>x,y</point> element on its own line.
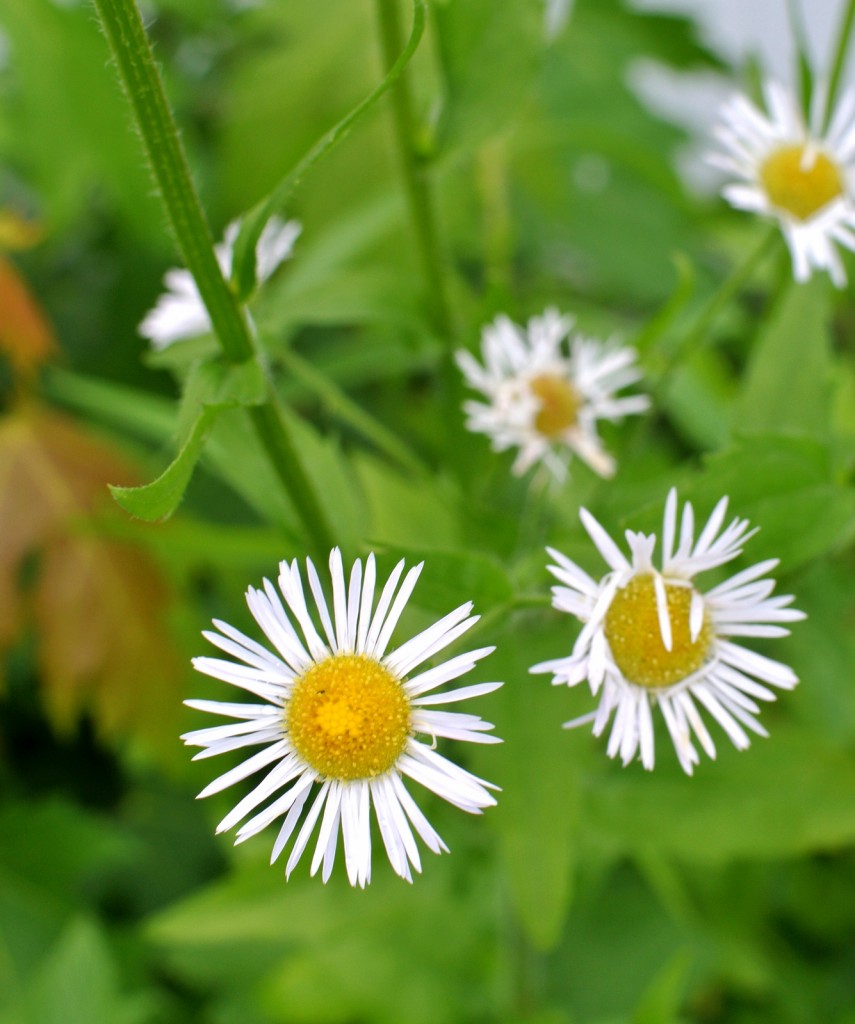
<point>341,717</point>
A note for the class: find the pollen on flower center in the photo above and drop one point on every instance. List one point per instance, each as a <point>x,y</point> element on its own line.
<point>799,183</point>
<point>635,639</point>
<point>348,717</point>
<point>559,404</point>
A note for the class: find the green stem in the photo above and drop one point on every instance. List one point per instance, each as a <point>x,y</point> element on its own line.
<point>340,405</point>
<point>841,52</point>
<point>492,173</point>
<point>253,223</point>
<point>729,288</point>
<point>415,180</point>
<point>803,65</point>
<point>138,72</point>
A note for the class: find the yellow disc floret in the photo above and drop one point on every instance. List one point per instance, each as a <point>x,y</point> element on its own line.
<point>559,404</point>
<point>348,717</point>
<point>800,182</point>
<point>635,638</point>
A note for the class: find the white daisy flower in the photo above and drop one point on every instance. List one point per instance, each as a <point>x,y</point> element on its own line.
<point>544,402</point>
<point>555,17</point>
<point>651,638</point>
<point>338,717</point>
<point>180,312</point>
<point>799,174</point>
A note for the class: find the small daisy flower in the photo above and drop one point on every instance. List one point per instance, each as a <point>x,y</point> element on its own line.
<point>650,637</point>
<point>555,17</point>
<point>796,173</point>
<point>338,717</point>
<point>180,313</point>
<point>546,402</point>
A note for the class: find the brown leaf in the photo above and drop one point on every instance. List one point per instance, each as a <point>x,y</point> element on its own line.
<point>98,605</point>
<point>26,337</point>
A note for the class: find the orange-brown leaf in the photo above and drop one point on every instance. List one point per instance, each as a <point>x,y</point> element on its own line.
<point>26,337</point>
<point>98,605</point>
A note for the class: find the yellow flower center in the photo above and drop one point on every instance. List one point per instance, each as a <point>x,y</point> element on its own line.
<point>800,185</point>
<point>559,404</point>
<point>635,639</point>
<point>348,717</point>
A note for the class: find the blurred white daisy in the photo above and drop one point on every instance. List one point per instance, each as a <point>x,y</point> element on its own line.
<point>795,172</point>
<point>338,718</point>
<point>651,638</point>
<point>555,17</point>
<point>180,313</point>
<point>546,402</point>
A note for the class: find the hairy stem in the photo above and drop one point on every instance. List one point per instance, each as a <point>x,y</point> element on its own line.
<point>138,72</point>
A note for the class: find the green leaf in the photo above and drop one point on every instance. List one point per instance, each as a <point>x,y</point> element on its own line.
<point>60,64</point>
<point>785,486</point>
<point>215,383</point>
<point>697,398</point>
<point>451,577</point>
<point>77,984</point>
<point>490,54</point>
<point>332,953</point>
<point>244,257</point>
<point>130,409</point>
<point>790,795</point>
<point>661,1002</point>
<point>537,818</point>
<point>159,499</point>
<point>399,512</point>
<point>40,890</point>
<point>789,378</point>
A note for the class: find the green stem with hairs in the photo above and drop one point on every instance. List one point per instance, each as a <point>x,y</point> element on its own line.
<point>138,72</point>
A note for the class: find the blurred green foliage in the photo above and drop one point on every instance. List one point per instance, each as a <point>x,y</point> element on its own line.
<point>592,894</point>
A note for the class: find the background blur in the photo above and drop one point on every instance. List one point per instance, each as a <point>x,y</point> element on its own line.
<point>565,171</point>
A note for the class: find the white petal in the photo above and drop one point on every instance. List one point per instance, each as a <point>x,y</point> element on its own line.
<point>605,545</point>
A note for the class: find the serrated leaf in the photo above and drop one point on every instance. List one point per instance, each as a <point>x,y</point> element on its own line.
<point>789,378</point>
<point>159,499</point>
